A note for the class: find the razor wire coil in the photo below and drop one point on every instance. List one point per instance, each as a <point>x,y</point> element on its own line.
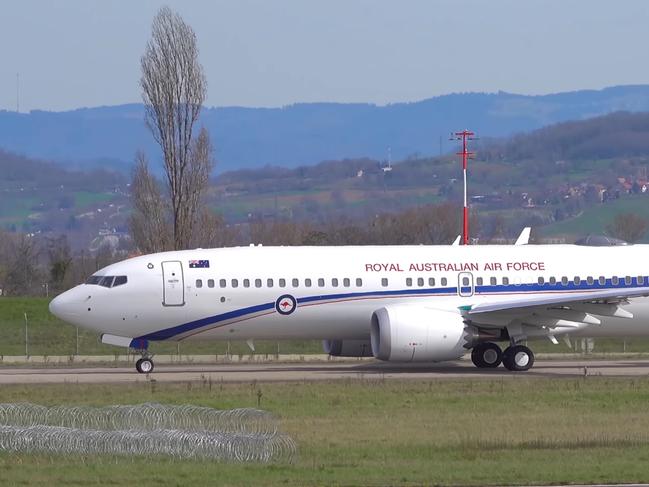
<point>237,435</point>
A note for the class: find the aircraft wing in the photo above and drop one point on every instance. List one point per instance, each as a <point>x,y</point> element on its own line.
<point>605,296</point>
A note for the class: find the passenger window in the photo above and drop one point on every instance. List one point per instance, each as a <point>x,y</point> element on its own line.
<point>505,280</point>
<point>564,280</point>
<point>478,281</point>
<point>269,282</point>
<point>384,281</point>
<point>359,282</point>
<point>577,280</point>
<point>602,280</point>
<point>346,282</point>
<point>235,283</point>
<point>321,282</point>
<point>615,281</point>
<point>409,281</point>
<point>553,280</point>
<point>431,281</point>
<point>295,282</point>
<point>420,281</point>
<point>444,281</point>
<point>282,283</point>
<point>246,283</point>
<point>199,283</point>
<point>639,280</point>
<point>210,283</point>
<point>222,283</point>
<point>590,280</point>
<point>307,282</point>
<point>540,280</point>
<point>465,281</point>
<point>334,282</point>
<point>257,282</point>
<point>627,280</point>
<point>119,280</point>
<point>493,281</point>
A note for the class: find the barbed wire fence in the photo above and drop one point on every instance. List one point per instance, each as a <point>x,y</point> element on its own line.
<point>237,435</point>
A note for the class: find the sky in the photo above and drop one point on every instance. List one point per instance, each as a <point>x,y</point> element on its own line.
<point>77,53</point>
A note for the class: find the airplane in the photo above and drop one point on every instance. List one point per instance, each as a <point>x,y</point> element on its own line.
<point>395,303</point>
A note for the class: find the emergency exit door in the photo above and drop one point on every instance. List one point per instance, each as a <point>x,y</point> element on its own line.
<point>465,284</point>
<point>173,290</point>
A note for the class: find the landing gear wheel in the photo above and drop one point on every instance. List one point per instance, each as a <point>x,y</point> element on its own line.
<point>486,355</point>
<point>144,365</point>
<point>518,358</point>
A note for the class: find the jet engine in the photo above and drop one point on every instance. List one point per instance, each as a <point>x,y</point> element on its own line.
<point>411,333</point>
<point>347,348</point>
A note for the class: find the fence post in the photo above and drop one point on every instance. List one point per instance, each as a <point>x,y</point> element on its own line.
<point>26,338</point>
<point>77,344</point>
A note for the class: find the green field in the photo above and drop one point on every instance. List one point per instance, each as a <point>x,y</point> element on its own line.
<point>594,220</point>
<point>508,431</point>
<point>47,335</point>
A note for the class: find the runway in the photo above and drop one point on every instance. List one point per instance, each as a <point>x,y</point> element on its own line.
<point>274,372</point>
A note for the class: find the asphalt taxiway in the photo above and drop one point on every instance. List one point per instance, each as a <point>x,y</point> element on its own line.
<point>275,372</point>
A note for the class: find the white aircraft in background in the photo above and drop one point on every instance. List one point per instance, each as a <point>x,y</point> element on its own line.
<point>397,303</point>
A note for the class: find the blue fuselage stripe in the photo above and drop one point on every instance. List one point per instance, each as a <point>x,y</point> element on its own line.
<point>483,289</point>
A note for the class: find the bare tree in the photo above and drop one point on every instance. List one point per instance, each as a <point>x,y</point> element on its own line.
<point>629,227</point>
<point>173,90</point>
<point>24,273</point>
<point>149,222</point>
<point>60,259</point>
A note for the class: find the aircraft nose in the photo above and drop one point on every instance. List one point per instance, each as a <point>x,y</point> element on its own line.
<point>63,307</point>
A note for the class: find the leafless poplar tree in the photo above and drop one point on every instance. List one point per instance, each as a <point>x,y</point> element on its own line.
<point>149,222</point>
<point>173,90</point>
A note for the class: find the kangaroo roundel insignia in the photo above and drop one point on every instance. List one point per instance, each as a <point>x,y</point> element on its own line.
<point>286,304</point>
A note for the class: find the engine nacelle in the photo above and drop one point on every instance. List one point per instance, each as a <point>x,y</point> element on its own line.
<point>413,333</point>
<point>347,348</point>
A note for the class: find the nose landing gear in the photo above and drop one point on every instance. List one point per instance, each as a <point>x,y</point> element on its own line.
<point>144,365</point>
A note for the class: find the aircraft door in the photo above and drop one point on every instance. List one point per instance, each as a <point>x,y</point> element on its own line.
<point>173,284</point>
<point>465,284</point>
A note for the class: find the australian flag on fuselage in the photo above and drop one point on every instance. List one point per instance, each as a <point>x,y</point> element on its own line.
<point>199,264</point>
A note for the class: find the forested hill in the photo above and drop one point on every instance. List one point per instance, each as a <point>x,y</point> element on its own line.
<point>305,134</point>
<point>615,136</point>
<point>19,173</point>
<point>620,134</point>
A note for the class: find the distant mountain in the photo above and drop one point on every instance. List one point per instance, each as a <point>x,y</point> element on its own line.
<point>307,133</point>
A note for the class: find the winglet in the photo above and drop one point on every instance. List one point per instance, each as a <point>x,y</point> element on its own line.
<point>524,237</point>
<point>456,242</point>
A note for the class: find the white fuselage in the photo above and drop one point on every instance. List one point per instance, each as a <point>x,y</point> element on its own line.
<point>332,292</point>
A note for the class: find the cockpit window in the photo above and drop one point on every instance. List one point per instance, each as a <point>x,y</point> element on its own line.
<point>119,280</point>
<point>107,281</point>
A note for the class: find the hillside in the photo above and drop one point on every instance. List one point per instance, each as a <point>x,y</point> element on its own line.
<point>305,134</point>
<point>41,197</point>
<point>567,179</point>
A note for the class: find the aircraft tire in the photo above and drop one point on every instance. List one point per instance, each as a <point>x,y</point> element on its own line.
<point>486,355</point>
<point>144,365</point>
<point>518,358</point>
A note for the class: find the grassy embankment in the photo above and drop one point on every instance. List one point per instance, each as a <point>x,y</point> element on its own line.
<point>47,335</point>
<point>594,220</point>
<point>514,430</point>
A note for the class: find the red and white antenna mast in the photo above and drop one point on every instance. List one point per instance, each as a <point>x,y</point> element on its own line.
<point>465,136</point>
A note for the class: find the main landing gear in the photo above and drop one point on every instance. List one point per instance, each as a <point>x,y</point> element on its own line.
<point>517,358</point>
